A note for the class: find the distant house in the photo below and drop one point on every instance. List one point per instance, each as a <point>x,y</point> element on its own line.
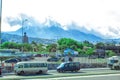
<point>69,51</point>
<point>115,49</point>
<point>101,51</point>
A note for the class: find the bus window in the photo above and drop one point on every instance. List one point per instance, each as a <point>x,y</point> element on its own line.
<point>45,65</point>
<point>26,65</point>
<point>20,66</point>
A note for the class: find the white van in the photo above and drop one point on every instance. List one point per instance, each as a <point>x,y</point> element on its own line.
<point>114,62</point>
<point>27,67</point>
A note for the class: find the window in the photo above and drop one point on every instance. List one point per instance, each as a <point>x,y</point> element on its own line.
<point>31,65</point>
<point>71,64</point>
<point>114,61</point>
<point>20,66</point>
<point>66,65</point>
<point>26,65</point>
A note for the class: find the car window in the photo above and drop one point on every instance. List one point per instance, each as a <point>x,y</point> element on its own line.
<point>66,65</point>
<point>71,64</point>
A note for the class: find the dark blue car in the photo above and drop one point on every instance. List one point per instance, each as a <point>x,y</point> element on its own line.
<point>14,60</point>
<point>55,59</point>
<point>69,66</point>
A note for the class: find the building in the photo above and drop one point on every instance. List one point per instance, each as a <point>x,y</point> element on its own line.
<point>25,38</point>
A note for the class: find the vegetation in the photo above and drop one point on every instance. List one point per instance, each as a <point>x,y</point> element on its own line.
<point>83,48</point>
<point>110,53</point>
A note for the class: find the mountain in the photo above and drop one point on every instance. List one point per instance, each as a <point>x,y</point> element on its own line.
<point>49,29</point>
<point>18,39</point>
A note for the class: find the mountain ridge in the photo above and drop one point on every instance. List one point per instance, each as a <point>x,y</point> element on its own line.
<point>50,29</point>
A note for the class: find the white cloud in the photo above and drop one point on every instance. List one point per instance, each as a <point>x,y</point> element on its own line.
<point>97,15</point>
<point>9,28</point>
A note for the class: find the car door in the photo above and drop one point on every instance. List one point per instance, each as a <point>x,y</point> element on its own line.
<point>71,66</point>
<point>66,67</point>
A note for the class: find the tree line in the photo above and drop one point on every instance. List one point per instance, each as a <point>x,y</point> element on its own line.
<point>83,48</point>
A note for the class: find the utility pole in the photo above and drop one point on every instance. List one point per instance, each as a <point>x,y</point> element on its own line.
<point>0,31</point>
<point>0,21</point>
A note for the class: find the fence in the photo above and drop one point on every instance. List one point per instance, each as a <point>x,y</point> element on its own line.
<point>85,62</point>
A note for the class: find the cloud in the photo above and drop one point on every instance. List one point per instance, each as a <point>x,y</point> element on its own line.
<point>100,16</point>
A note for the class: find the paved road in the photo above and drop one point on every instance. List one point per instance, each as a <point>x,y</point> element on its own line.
<point>90,77</point>
<point>53,73</point>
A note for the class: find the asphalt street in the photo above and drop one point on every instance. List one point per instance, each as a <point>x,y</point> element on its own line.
<point>90,77</point>
<point>54,74</point>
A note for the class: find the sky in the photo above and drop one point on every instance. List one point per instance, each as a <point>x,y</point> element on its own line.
<point>100,16</point>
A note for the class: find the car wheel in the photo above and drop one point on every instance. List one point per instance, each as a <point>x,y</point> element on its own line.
<point>63,71</point>
<point>21,73</point>
<point>76,70</point>
<point>58,71</point>
<point>40,72</point>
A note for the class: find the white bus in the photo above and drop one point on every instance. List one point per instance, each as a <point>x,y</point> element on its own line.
<point>27,67</point>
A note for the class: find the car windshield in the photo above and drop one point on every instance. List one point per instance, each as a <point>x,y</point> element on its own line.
<point>61,65</point>
<point>113,61</point>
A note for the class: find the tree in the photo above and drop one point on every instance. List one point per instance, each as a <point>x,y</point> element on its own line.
<point>34,46</point>
<point>41,47</point>
<point>67,43</point>
<point>51,47</point>
<point>88,44</point>
<point>110,53</point>
<point>10,45</point>
<point>89,51</point>
<point>27,47</point>
<point>100,45</point>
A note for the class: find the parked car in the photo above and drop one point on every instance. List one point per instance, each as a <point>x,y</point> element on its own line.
<point>53,59</point>
<point>24,58</point>
<point>68,66</point>
<point>13,60</point>
<point>69,59</point>
<point>37,55</point>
